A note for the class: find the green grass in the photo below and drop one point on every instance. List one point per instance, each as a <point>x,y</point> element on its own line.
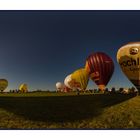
<point>69,111</point>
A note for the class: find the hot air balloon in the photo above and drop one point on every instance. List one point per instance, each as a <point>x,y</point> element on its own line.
<point>128,56</point>
<point>23,88</point>
<point>79,79</point>
<point>67,81</point>
<point>59,86</point>
<point>100,68</point>
<point>66,89</point>
<point>3,84</point>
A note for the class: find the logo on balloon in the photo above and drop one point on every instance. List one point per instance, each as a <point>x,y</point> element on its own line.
<point>130,62</point>
<point>134,51</point>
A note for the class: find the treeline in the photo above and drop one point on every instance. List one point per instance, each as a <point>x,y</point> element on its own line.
<point>113,90</point>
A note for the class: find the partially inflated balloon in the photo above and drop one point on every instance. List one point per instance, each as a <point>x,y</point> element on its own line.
<point>23,88</point>
<point>80,79</point>
<point>128,56</point>
<point>67,81</point>
<point>100,68</point>
<point>59,86</point>
<point>66,89</point>
<point>3,84</point>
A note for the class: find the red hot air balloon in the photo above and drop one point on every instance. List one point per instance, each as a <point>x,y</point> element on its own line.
<point>100,68</point>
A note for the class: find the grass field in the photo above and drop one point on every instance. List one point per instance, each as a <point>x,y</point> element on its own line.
<point>69,111</point>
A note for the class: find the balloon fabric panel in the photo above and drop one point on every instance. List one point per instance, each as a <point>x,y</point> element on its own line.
<point>101,68</point>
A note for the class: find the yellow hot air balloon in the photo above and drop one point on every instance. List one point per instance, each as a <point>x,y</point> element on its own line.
<point>23,88</point>
<point>80,79</point>
<point>128,56</point>
<point>3,84</point>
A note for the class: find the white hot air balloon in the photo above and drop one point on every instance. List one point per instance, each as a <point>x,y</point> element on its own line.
<point>69,82</point>
<point>59,86</point>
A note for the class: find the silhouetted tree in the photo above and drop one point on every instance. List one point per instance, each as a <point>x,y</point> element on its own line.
<point>131,90</point>
<point>99,90</point>
<point>113,90</point>
<point>121,90</point>
<point>90,90</point>
<point>106,90</point>
<point>95,90</point>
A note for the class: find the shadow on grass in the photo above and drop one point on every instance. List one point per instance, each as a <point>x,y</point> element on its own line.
<point>60,108</point>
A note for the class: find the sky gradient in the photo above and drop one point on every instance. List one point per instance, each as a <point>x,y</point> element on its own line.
<point>41,48</point>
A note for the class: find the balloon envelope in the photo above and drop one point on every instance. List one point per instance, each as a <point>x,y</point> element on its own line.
<point>128,56</point>
<point>3,84</point>
<point>66,89</point>
<point>23,88</point>
<point>100,68</point>
<point>67,81</point>
<point>59,86</point>
<point>80,79</point>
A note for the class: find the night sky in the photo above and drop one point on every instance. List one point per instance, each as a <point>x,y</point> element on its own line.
<point>41,48</point>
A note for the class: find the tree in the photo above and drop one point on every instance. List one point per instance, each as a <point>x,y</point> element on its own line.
<point>113,90</point>
<point>121,90</point>
<point>99,90</point>
<point>106,90</point>
<point>132,90</point>
<point>95,90</point>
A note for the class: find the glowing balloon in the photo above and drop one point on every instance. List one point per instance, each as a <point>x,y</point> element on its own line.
<point>100,68</point>
<point>80,79</point>
<point>128,56</point>
<point>3,84</point>
<point>59,86</point>
<point>23,88</point>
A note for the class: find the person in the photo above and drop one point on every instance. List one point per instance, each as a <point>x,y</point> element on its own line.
<point>78,93</point>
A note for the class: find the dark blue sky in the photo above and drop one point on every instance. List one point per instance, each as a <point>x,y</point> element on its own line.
<point>42,47</point>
